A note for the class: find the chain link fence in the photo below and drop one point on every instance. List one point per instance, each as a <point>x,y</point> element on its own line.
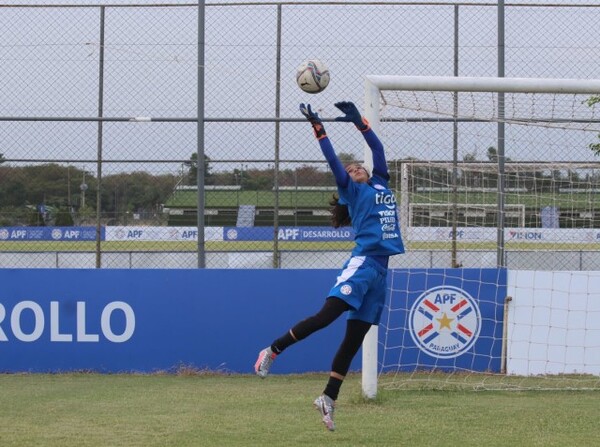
<point>100,136</point>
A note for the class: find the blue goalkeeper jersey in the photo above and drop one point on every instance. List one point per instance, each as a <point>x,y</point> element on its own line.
<point>372,208</point>
<point>372,205</point>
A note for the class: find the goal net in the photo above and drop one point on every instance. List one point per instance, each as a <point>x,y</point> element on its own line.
<point>497,182</point>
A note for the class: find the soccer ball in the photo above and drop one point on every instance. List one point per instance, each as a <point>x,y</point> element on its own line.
<point>312,76</point>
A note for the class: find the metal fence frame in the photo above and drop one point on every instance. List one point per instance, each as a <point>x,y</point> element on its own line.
<point>201,119</point>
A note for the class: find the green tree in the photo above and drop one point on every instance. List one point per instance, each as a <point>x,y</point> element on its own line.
<point>46,183</point>
<point>63,218</point>
<point>192,173</point>
<point>346,158</point>
<point>13,189</point>
<point>492,154</point>
<point>137,192</point>
<point>257,180</point>
<point>471,177</point>
<point>36,218</point>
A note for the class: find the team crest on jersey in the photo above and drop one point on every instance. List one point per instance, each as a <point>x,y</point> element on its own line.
<point>346,289</point>
<point>445,322</point>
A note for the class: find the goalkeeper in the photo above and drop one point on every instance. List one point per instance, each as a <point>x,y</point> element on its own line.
<point>366,203</point>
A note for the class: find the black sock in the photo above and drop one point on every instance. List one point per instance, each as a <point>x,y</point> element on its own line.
<point>333,387</point>
<point>282,343</point>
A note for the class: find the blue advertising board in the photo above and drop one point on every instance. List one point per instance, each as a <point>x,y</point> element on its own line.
<point>314,234</point>
<point>113,320</point>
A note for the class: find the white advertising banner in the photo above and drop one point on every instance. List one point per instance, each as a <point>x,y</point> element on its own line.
<point>162,234</point>
<point>429,234</point>
<point>483,234</point>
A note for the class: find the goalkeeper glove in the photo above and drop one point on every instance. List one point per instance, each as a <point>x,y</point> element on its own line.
<point>314,120</point>
<point>352,115</point>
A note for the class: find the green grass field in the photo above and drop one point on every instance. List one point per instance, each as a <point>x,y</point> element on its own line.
<point>241,246</point>
<point>320,199</point>
<point>242,410</point>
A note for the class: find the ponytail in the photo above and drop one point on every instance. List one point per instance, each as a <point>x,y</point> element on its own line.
<point>340,217</point>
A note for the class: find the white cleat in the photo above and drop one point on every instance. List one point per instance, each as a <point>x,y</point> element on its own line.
<point>264,362</point>
<point>326,406</point>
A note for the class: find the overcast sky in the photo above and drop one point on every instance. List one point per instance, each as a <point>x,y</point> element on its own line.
<point>49,67</point>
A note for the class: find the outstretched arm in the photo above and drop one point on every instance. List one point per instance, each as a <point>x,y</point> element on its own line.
<point>340,174</point>
<point>352,115</point>
<point>379,161</point>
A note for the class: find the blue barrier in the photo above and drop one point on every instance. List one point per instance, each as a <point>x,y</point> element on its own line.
<point>314,234</point>
<point>147,320</point>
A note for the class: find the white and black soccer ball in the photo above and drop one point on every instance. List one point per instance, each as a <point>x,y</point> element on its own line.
<point>312,76</point>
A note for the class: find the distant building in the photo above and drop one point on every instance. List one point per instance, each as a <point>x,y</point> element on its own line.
<point>232,206</point>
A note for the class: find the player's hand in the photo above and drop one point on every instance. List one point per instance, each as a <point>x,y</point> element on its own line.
<point>311,116</point>
<point>314,120</point>
<point>351,115</point>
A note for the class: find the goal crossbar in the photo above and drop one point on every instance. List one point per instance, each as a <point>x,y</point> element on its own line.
<point>484,84</point>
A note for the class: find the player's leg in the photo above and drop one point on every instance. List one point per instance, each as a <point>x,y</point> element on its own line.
<point>353,338</point>
<point>360,320</point>
<point>330,311</point>
<point>371,279</point>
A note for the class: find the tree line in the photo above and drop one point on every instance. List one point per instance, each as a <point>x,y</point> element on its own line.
<point>38,194</point>
<point>53,193</point>
<point>35,194</point>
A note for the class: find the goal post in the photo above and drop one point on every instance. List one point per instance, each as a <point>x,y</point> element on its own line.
<point>391,101</point>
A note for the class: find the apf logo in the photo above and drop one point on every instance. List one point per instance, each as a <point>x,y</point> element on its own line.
<point>460,234</point>
<point>444,322</point>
